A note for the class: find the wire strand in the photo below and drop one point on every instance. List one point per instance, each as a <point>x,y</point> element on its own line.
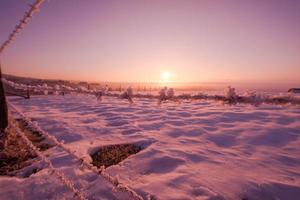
<point>22,23</point>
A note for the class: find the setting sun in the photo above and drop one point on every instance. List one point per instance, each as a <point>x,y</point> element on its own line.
<point>165,76</point>
<point>136,99</point>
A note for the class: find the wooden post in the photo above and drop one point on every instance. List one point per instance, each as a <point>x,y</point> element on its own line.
<point>27,92</point>
<point>3,106</point>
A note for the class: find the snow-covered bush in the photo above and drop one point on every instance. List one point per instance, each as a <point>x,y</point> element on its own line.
<point>163,94</point>
<point>170,93</point>
<point>57,87</point>
<point>253,98</point>
<point>99,95</point>
<point>127,94</point>
<point>82,89</point>
<point>231,95</point>
<point>129,91</point>
<point>106,89</point>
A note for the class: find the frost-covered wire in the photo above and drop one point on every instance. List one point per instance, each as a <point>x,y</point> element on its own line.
<point>113,180</point>
<point>60,175</point>
<point>23,22</point>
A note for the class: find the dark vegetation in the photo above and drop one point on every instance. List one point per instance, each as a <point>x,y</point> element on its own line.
<point>34,136</point>
<point>113,154</point>
<point>15,154</point>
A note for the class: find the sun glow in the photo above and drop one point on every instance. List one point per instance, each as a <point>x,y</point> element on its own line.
<point>165,76</point>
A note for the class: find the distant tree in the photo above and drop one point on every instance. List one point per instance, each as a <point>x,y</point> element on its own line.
<point>3,106</point>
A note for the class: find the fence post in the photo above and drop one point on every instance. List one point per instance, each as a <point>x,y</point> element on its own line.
<point>27,92</point>
<point>3,106</point>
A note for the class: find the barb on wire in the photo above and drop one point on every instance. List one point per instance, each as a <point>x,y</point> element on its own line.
<point>28,15</point>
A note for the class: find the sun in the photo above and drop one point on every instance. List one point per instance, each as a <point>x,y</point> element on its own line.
<point>165,76</point>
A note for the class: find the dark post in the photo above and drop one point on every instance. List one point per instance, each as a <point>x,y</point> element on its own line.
<point>3,106</point>
<point>27,92</point>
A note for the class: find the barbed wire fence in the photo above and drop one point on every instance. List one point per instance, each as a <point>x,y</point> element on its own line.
<point>22,23</point>
<point>35,7</point>
<point>228,97</point>
<point>5,125</point>
<point>60,175</point>
<point>101,171</point>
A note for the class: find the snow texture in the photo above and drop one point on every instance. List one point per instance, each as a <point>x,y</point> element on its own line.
<point>192,150</point>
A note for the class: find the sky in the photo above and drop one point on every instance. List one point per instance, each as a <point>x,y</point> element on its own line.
<point>155,40</point>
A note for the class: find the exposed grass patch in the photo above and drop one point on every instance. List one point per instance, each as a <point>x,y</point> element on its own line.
<point>15,154</point>
<point>113,154</point>
<point>35,137</point>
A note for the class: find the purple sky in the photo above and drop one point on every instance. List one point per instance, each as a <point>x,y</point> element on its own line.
<point>195,41</point>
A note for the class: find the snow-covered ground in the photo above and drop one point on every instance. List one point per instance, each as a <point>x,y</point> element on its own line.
<point>193,150</point>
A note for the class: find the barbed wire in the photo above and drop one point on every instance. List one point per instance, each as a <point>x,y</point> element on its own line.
<point>101,171</point>
<point>60,175</point>
<point>22,23</point>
